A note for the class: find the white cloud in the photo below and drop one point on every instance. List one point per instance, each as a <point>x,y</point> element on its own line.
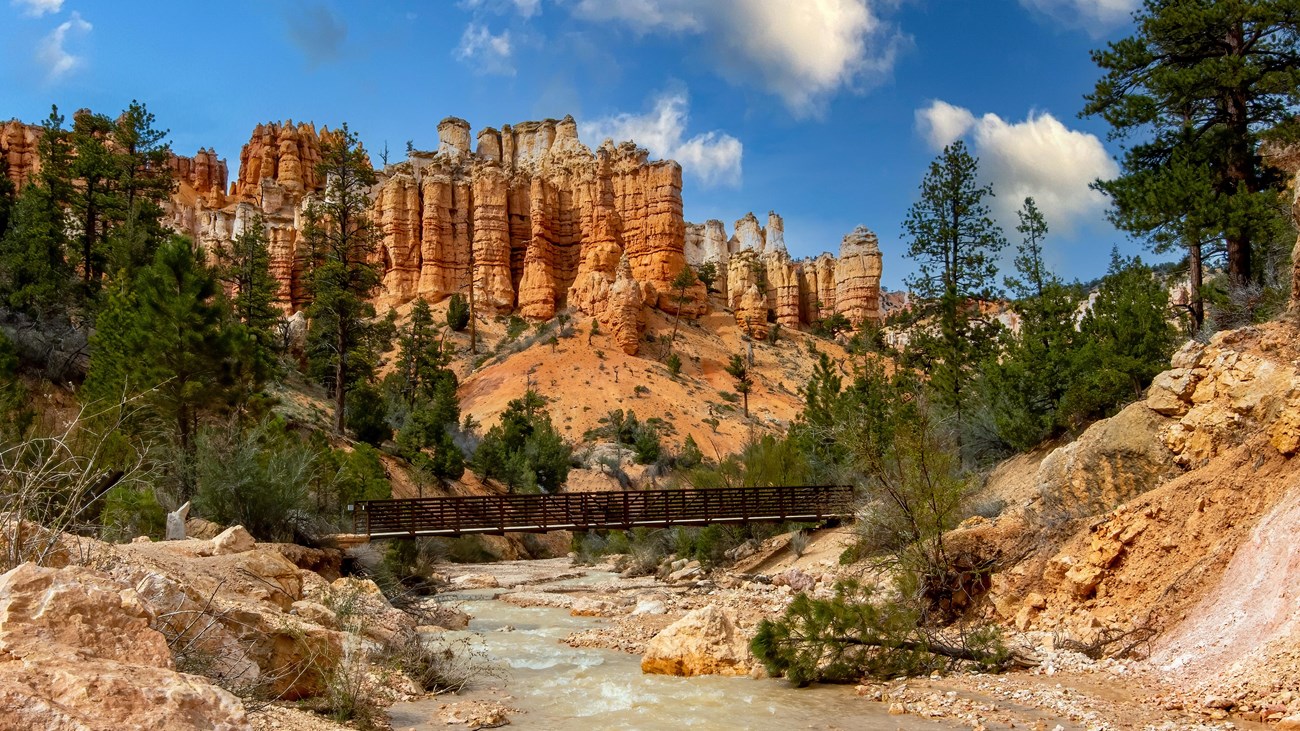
<point>52,53</point>
<point>1039,157</point>
<point>1096,16</point>
<point>804,51</point>
<point>526,8</point>
<point>37,8</point>
<point>487,53</point>
<point>712,157</point>
<point>942,123</point>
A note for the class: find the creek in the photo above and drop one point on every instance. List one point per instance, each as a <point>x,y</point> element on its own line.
<point>556,686</point>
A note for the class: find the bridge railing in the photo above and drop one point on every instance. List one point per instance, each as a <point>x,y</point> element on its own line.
<point>598,510</point>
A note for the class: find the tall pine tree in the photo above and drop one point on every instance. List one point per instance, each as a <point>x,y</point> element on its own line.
<point>953,241</point>
<point>345,338</point>
<point>1024,384</point>
<point>245,268</point>
<point>35,277</point>
<point>1199,84</point>
<point>163,337</point>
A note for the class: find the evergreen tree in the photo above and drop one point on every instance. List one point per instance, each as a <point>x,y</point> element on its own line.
<point>346,340</point>
<point>524,449</point>
<point>429,389</point>
<point>684,280</point>
<point>1203,81</point>
<point>739,370</point>
<point>1126,341</point>
<point>94,201</point>
<point>143,182</point>
<point>421,359</point>
<point>458,313</point>
<point>164,337</point>
<point>8,191</point>
<point>34,275</point>
<point>1023,385</point>
<point>34,272</point>
<point>245,268</point>
<point>954,242</point>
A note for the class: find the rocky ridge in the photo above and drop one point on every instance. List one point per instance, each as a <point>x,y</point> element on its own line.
<point>527,215</point>
<point>760,281</point>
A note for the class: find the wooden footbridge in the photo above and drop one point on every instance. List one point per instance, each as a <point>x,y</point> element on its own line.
<point>581,511</point>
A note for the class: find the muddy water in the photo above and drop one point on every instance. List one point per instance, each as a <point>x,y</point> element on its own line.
<point>561,687</point>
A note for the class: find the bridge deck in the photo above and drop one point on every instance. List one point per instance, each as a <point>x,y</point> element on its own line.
<point>452,516</point>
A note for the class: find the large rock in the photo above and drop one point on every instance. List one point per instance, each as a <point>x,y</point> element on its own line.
<point>1113,461</point>
<point>77,652</point>
<point>704,642</point>
<point>857,277</point>
<point>232,540</point>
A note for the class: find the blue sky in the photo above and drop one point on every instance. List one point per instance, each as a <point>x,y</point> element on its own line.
<point>826,111</point>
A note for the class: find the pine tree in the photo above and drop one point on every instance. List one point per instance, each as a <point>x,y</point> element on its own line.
<point>1024,384</point>
<point>524,449</point>
<point>8,191</point>
<point>684,280</point>
<point>346,338</point>
<point>143,182</point>
<point>245,268</point>
<point>421,358</point>
<point>429,388</point>
<point>163,336</point>
<point>1205,80</point>
<point>739,370</point>
<point>95,203</point>
<point>1126,341</point>
<point>954,241</point>
<point>35,277</point>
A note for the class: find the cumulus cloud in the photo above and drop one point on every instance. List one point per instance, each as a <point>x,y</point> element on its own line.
<point>37,8</point>
<point>800,50</point>
<point>52,51</point>
<point>1096,16</point>
<point>1039,157</point>
<point>942,123</point>
<point>317,32</point>
<point>711,157</point>
<point>486,53</point>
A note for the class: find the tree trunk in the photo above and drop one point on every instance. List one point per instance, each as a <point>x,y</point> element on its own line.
<point>1196,277</point>
<point>340,374</point>
<point>1240,167</point>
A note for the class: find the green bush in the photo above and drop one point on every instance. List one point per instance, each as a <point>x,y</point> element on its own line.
<point>457,313</point>
<point>524,450</point>
<point>674,364</point>
<point>367,415</point>
<point>132,511</point>
<point>257,477</point>
<point>855,634</point>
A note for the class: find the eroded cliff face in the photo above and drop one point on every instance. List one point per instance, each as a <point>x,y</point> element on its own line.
<point>527,217</point>
<point>756,273</point>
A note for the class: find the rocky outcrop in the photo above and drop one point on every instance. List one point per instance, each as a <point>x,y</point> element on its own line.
<point>625,311</point>
<point>704,642</point>
<point>795,292</point>
<point>751,313</point>
<point>18,148</point>
<point>77,652</point>
<point>857,277</point>
<point>529,217</point>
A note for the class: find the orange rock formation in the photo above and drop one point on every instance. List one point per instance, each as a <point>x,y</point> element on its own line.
<point>529,217</point>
